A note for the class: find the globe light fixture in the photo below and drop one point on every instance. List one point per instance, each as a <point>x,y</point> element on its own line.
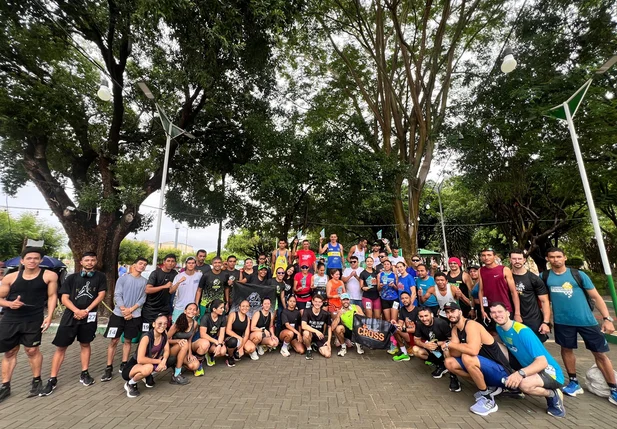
<point>104,93</point>
<point>509,63</point>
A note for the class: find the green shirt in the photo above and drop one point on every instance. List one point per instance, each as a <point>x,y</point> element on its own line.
<point>347,316</point>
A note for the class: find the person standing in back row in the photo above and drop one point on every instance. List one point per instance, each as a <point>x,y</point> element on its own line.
<point>159,290</point>
<point>461,280</point>
<point>334,251</point>
<point>23,295</point>
<point>281,257</point>
<point>497,285</point>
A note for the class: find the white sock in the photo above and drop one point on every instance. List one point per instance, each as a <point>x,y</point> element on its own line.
<point>285,345</point>
<point>131,381</point>
<point>343,346</point>
<point>403,350</point>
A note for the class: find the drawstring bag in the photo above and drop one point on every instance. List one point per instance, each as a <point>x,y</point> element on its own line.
<point>596,383</point>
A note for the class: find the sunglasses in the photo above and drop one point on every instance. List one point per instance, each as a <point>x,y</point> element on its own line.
<point>415,260</point>
<point>354,262</point>
<point>382,256</point>
<point>280,272</point>
<point>304,268</point>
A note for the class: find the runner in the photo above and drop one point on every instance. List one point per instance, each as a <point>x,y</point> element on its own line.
<point>306,256</point>
<point>413,267</point>
<point>81,294</point>
<point>212,286</point>
<point>129,297</point>
<point>150,357</point>
<point>395,258</point>
<point>474,353</point>
<point>262,329</point>
<point>201,265</point>
<point>351,277</point>
<point>237,332</point>
<point>233,275</point>
<point>359,251</point>
<point>375,249</point>
<point>263,276</point>
<point>288,278</point>
<point>457,277</point>
<point>343,324</point>
<point>371,303</point>
<point>262,261</point>
<point>302,288</point>
<point>388,291</point>
<point>383,256</point>
<point>159,289</point>
<point>280,287</point>
<point>406,283</point>
<point>497,285</point>
<point>406,327</point>
<point>211,342</point>
<point>291,321</point>
<point>334,289</point>
<point>531,290</point>
<point>540,375</point>
<point>281,257</point>
<point>317,328</point>
<point>247,271</point>
<point>181,336</point>
<point>444,293</point>
<point>23,295</point>
<point>186,284</point>
<point>320,281</point>
<point>475,313</point>
<point>334,251</point>
<point>430,336</point>
<point>570,291</point>
<point>424,282</point>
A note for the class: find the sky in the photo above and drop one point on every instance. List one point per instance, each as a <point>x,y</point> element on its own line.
<point>29,199</point>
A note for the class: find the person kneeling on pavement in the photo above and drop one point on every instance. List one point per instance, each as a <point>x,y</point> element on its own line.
<point>343,324</point>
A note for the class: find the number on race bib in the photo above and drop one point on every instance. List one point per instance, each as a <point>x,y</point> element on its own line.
<point>485,301</point>
<point>308,304</point>
<point>91,317</point>
<point>145,327</point>
<point>112,332</point>
<point>395,305</point>
<point>368,305</point>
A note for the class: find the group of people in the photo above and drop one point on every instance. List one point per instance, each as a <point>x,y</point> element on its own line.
<point>487,323</point>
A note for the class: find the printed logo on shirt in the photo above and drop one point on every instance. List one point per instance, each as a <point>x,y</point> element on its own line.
<point>565,289</point>
<point>216,284</point>
<point>520,288</point>
<point>84,291</point>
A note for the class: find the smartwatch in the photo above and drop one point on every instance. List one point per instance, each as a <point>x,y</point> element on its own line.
<point>522,373</point>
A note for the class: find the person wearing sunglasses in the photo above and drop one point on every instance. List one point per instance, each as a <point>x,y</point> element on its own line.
<point>413,267</point>
<point>351,277</point>
<point>302,288</point>
<point>151,357</point>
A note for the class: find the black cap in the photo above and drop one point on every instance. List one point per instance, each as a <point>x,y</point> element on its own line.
<point>473,267</point>
<point>451,306</point>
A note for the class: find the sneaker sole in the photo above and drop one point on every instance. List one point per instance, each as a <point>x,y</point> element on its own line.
<point>612,401</point>
<point>486,413</point>
<point>82,382</point>
<point>573,394</point>
<point>440,375</point>
<point>47,394</point>
<point>456,390</point>
<point>103,380</point>
<point>128,392</point>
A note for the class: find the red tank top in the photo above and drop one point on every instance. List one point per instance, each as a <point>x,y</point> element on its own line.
<point>495,286</point>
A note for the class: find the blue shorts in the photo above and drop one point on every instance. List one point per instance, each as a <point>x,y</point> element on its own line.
<point>492,371</point>
<point>566,336</point>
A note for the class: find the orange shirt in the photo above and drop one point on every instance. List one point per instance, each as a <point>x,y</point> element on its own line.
<point>334,289</point>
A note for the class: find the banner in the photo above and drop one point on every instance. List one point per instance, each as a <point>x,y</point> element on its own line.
<point>372,333</point>
<point>254,294</point>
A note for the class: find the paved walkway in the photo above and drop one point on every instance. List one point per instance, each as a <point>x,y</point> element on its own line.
<point>368,391</point>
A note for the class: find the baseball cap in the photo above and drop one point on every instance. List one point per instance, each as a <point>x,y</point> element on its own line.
<point>262,267</point>
<point>473,267</point>
<point>456,260</point>
<point>344,296</point>
<point>451,306</point>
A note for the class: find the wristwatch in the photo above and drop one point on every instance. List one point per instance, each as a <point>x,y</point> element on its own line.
<point>609,318</point>
<point>522,373</point>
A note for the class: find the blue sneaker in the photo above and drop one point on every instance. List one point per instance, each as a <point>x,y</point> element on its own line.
<point>573,389</point>
<point>484,406</point>
<point>613,397</point>
<point>555,405</point>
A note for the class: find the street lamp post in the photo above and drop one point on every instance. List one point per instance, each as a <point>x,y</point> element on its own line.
<point>443,227</point>
<point>176,239</point>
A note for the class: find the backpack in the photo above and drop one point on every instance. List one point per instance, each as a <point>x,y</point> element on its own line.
<point>577,279</point>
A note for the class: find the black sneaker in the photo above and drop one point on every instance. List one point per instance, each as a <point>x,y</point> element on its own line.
<point>86,379</point>
<point>180,380</point>
<point>107,375</point>
<point>236,356</point>
<point>5,392</point>
<point>309,354</point>
<point>35,390</point>
<point>132,391</point>
<point>149,381</point>
<point>439,372</point>
<point>49,388</point>
<point>122,365</point>
<point>230,361</point>
<point>455,385</point>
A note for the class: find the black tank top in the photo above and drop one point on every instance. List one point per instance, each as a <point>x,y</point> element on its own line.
<point>239,326</point>
<point>264,321</point>
<point>458,281</point>
<point>489,351</point>
<point>33,293</point>
<point>185,335</point>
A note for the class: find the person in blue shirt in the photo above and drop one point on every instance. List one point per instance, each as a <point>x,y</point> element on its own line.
<point>540,374</point>
<point>406,283</point>
<point>334,250</point>
<point>573,316</point>
<point>423,283</point>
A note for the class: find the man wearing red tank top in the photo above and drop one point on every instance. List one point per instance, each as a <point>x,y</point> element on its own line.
<point>497,285</point>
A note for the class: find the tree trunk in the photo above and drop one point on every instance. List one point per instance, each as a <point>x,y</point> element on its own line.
<point>407,231</point>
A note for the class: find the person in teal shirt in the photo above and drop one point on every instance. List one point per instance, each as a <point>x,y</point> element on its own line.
<point>423,282</point>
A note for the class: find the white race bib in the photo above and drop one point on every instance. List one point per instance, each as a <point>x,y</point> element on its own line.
<point>112,332</point>
<point>368,305</point>
<point>145,327</point>
<point>484,301</point>
<point>395,305</point>
<point>91,317</point>
<point>308,304</point>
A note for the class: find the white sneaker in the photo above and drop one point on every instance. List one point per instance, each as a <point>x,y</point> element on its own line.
<point>260,350</point>
<point>285,352</point>
<point>254,356</point>
<point>343,351</point>
<point>359,349</point>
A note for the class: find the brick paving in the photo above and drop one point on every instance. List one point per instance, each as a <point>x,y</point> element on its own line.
<point>368,391</point>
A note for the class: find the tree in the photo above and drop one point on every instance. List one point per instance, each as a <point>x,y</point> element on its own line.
<point>130,250</point>
<point>95,163</point>
<point>15,230</point>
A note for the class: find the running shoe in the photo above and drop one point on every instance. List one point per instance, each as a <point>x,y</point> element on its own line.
<point>439,371</point>
<point>236,356</point>
<point>492,392</point>
<point>36,388</point>
<point>393,350</point>
<point>149,381</point>
<point>343,351</point>
<point>210,360</point>
<point>513,393</point>
<point>403,357</point>
<point>254,355</point>
<point>199,372</point>
<point>5,392</point>
<point>309,354</point>
<point>122,365</point>
<point>285,352</point>
<point>49,388</point>
<point>359,349</point>
<point>555,404</point>
<point>484,406</point>
<point>455,385</point>
<point>260,350</point>
<point>573,389</point>
<point>107,375</point>
<point>612,398</point>
<point>230,362</point>
<point>132,391</point>
<point>179,380</point>
<point>86,379</point>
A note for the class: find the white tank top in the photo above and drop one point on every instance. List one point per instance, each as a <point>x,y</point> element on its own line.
<point>444,299</point>
<point>360,254</point>
<point>320,283</point>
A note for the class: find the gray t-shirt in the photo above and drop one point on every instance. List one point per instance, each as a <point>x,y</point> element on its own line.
<point>130,290</point>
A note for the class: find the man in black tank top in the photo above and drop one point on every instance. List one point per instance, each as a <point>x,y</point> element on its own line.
<point>23,295</point>
<point>457,277</point>
<point>473,353</point>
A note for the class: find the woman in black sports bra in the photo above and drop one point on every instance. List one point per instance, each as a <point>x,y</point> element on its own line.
<point>180,341</point>
<point>262,329</point>
<point>237,332</point>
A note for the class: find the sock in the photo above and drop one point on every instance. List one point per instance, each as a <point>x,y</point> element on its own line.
<point>84,372</point>
<point>110,367</point>
<point>177,371</point>
<point>54,380</point>
<point>37,378</point>
<point>123,363</point>
<point>404,350</point>
<point>612,386</point>
<point>573,377</point>
<point>131,382</point>
<point>393,341</point>
<point>551,394</point>
<point>7,384</point>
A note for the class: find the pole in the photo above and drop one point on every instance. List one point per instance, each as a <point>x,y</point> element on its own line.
<point>176,239</point>
<point>159,217</point>
<point>592,208</point>
<point>186,240</point>
<point>218,242</point>
<point>443,227</point>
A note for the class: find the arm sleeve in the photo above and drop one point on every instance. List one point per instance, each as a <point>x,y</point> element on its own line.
<point>305,316</point>
<point>538,285</point>
<point>65,287</point>
<point>152,278</point>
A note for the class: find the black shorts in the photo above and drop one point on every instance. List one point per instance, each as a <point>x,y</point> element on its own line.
<point>119,325</point>
<point>386,304</point>
<point>566,337</point>
<point>65,335</point>
<point>348,333</point>
<point>126,371</point>
<point>12,334</point>
<point>319,343</point>
<point>231,342</point>
<point>549,382</point>
<point>534,325</point>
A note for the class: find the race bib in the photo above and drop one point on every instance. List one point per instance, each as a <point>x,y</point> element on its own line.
<point>484,301</point>
<point>395,305</point>
<point>145,327</point>
<point>308,304</point>
<point>112,332</point>
<point>91,317</point>
<point>368,305</point>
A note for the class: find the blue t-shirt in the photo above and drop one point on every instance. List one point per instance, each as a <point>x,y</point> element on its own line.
<point>412,272</point>
<point>570,305</point>
<point>425,285</point>
<point>404,285</point>
<point>335,256</point>
<point>525,346</point>
<point>388,293</point>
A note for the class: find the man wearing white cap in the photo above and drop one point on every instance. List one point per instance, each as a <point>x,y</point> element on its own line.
<point>343,324</point>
